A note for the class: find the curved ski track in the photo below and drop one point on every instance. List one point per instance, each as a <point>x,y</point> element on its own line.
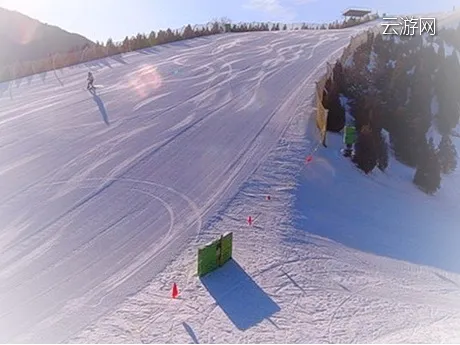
<point>99,193</point>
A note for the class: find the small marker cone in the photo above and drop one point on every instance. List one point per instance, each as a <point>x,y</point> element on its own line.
<point>175,291</point>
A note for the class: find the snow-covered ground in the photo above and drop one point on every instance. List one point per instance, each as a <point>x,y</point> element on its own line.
<point>105,199</point>
<point>99,193</point>
<point>334,256</point>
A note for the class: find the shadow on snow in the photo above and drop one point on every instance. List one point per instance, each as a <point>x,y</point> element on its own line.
<point>118,58</point>
<point>383,214</point>
<point>148,51</point>
<point>240,298</point>
<point>4,86</point>
<point>190,332</point>
<point>101,107</point>
<point>104,62</point>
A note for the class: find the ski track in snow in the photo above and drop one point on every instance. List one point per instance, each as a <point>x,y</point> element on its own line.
<point>105,198</point>
<point>100,192</point>
<point>325,292</point>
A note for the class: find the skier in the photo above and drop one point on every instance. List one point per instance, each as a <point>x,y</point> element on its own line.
<point>90,81</point>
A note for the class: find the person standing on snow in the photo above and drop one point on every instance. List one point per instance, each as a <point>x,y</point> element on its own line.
<point>90,81</point>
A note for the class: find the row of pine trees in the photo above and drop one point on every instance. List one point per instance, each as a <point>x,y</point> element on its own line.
<point>405,87</point>
<point>143,41</point>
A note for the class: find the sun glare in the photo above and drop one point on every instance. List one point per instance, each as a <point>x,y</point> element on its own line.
<point>145,79</point>
<point>25,33</point>
<point>28,7</point>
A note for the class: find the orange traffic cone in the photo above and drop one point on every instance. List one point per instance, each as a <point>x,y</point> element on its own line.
<point>175,291</point>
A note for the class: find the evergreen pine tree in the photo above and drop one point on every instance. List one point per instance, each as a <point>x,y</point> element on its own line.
<point>339,76</point>
<point>161,37</point>
<point>152,38</point>
<point>428,174</point>
<point>171,36</point>
<point>447,155</point>
<point>446,80</point>
<point>126,45</point>
<point>188,32</point>
<point>336,113</point>
<point>111,48</point>
<point>365,156</point>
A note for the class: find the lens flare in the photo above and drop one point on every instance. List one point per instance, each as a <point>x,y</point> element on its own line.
<point>145,80</point>
<point>18,29</point>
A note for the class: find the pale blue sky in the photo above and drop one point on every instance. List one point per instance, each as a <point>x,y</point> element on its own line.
<point>100,19</point>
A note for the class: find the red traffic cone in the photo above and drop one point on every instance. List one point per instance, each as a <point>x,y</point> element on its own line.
<point>250,220</point>
<point>175,291</point>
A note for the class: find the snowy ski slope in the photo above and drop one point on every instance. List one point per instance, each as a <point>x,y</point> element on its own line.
<point>333,257</point>
<point>100,192</point>
<point>320,264</point>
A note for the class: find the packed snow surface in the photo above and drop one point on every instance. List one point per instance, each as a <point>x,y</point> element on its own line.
<point>105,198</point>
<point>333,257</point>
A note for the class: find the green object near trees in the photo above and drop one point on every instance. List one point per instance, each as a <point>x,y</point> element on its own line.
<point>349,135</point>
<point>215,254</point>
